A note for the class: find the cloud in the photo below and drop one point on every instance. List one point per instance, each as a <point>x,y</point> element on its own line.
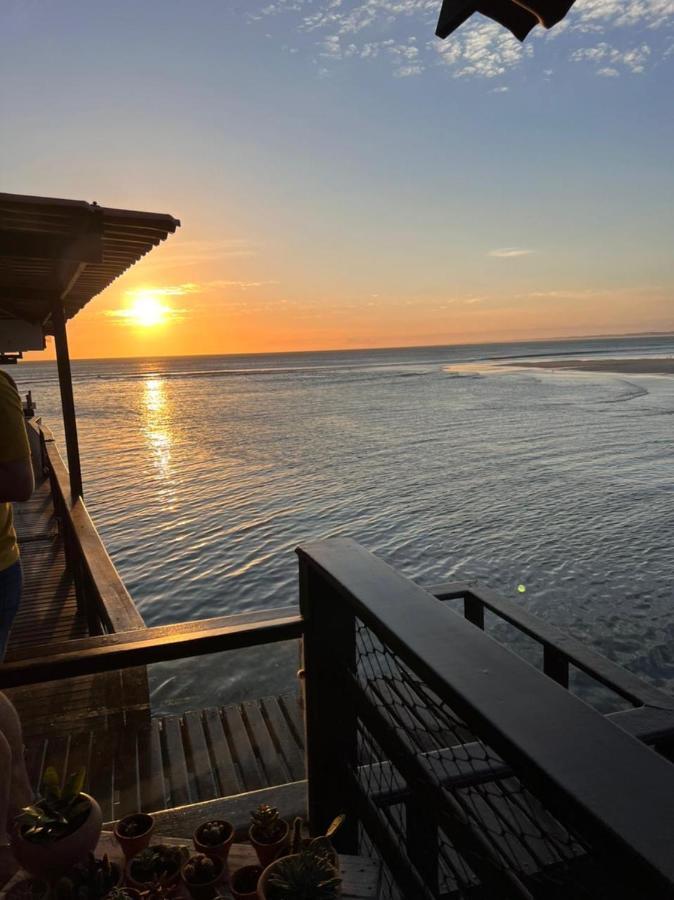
<point>190,253</point>
<point>398,33</point>
<point>608,58</point>
<point>509,252</point>
<point>484,50</point>
<point>225,283</point>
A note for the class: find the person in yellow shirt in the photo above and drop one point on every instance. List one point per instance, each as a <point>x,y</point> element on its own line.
<point>16,483</point>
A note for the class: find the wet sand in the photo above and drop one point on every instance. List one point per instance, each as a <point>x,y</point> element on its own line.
<point>646,366</point>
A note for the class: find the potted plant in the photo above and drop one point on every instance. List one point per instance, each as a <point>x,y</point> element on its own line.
<point>89,880</point>
<point>59,829</point>
<point>214,838</point>
<point>201,875</point>
<point>309,872</point>
<point>243,882</point>
<point>124,893</point>
<point>268,833</point>
<point>133,833</point>
<point>159,864</point>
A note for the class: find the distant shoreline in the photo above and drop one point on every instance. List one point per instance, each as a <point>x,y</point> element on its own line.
<point>644,366</point>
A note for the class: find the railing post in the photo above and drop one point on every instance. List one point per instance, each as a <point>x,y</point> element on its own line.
<point>330,720</point>
<point>473,610</point>
<point>556,665</point>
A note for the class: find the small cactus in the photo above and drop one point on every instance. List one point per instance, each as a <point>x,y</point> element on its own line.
<point>201,870</point>
<point>266,824</point>
<point>214,833</point>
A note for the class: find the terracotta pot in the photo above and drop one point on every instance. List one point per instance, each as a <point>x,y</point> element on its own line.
<point>220,850</point>
<point>133,845</point>
<point>206,889</point>
<point>264,878</point>
<point>143,885</point>
<point>267,853</point>
<point>54,858</point>
<point>245,873</point>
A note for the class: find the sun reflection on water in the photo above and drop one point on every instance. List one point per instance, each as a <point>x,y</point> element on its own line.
<point>156,412</point>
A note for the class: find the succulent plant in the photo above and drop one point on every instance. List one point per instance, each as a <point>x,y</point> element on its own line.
<point>214,833</point>
<point>266,824</point>
<point>132,826</point>
<point>304,876</point>
<point>159,890</point>
<point>122,893</point>
<point>310,872</point>
<point>88,880</point>
<point>56,812</point>
<point>157,863</point>
<point>202,869</point>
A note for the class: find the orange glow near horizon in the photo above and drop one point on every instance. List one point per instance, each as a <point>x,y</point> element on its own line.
<point>183,303</point>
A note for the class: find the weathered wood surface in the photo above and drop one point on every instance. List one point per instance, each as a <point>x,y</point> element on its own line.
<point>360,875</point>
<point>48,615</point>
<point>172,761</point>
<point>58,715</point>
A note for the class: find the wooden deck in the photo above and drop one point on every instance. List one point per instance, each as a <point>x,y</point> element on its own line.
<point>173,761</point>
<point>103,721</point>
<point>48,614</point>
<point>48,619</point>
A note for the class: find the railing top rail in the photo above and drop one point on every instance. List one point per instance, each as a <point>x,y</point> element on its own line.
<point>143,646</point>
<point>616,792</point>
<point>119,608</point>
<point>580,655</point>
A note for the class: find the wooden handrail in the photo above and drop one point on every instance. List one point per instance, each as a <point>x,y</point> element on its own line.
<point>113,605</point>
<point>160,643</point>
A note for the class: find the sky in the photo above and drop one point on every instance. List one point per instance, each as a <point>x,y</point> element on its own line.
<point>344,178</point>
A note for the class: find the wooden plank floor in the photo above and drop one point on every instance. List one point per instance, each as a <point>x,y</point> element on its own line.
<point>48,618</point>
<point>173,760</point>
<point>48,614</point>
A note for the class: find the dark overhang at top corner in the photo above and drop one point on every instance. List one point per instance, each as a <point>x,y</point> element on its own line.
<point>67,251</point>
<point>518,16</point>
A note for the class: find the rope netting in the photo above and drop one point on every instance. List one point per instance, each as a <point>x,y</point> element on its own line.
<point>457,816</point>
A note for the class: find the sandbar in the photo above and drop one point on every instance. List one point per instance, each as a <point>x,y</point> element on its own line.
<point>644,366</point>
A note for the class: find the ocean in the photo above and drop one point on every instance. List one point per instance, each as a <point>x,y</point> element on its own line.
<point>204,473</point>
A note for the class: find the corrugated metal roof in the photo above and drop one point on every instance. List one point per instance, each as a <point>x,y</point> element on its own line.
<point>67,249</point>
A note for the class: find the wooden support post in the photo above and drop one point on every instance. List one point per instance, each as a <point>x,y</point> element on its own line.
<point>67,399</point>
<point>330,719</point>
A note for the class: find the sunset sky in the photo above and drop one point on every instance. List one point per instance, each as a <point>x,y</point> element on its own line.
<point>343,178</point>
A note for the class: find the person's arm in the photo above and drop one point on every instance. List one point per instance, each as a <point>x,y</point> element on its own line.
<point>16,469</point>
<point>16,480</point>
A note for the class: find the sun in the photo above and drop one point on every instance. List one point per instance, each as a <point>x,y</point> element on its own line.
<point>147,310</point>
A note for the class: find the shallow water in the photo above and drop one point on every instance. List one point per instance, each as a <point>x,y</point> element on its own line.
<point>203,474</point>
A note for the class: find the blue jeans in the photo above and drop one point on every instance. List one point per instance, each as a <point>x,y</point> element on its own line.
<point>11,582</point>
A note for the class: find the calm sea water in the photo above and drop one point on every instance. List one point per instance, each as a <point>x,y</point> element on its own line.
<point>204,473</point>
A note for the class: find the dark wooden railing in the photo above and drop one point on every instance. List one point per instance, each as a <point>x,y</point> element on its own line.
<point>468,772</point>
<point>101,594</point>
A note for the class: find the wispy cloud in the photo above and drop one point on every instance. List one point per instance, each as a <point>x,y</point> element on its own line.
<point>190,253</point>
<point>608,58</point>
<point>226,283</point>
<point>484,50</point>
<point>509,252</point>
<point>398,33</point>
